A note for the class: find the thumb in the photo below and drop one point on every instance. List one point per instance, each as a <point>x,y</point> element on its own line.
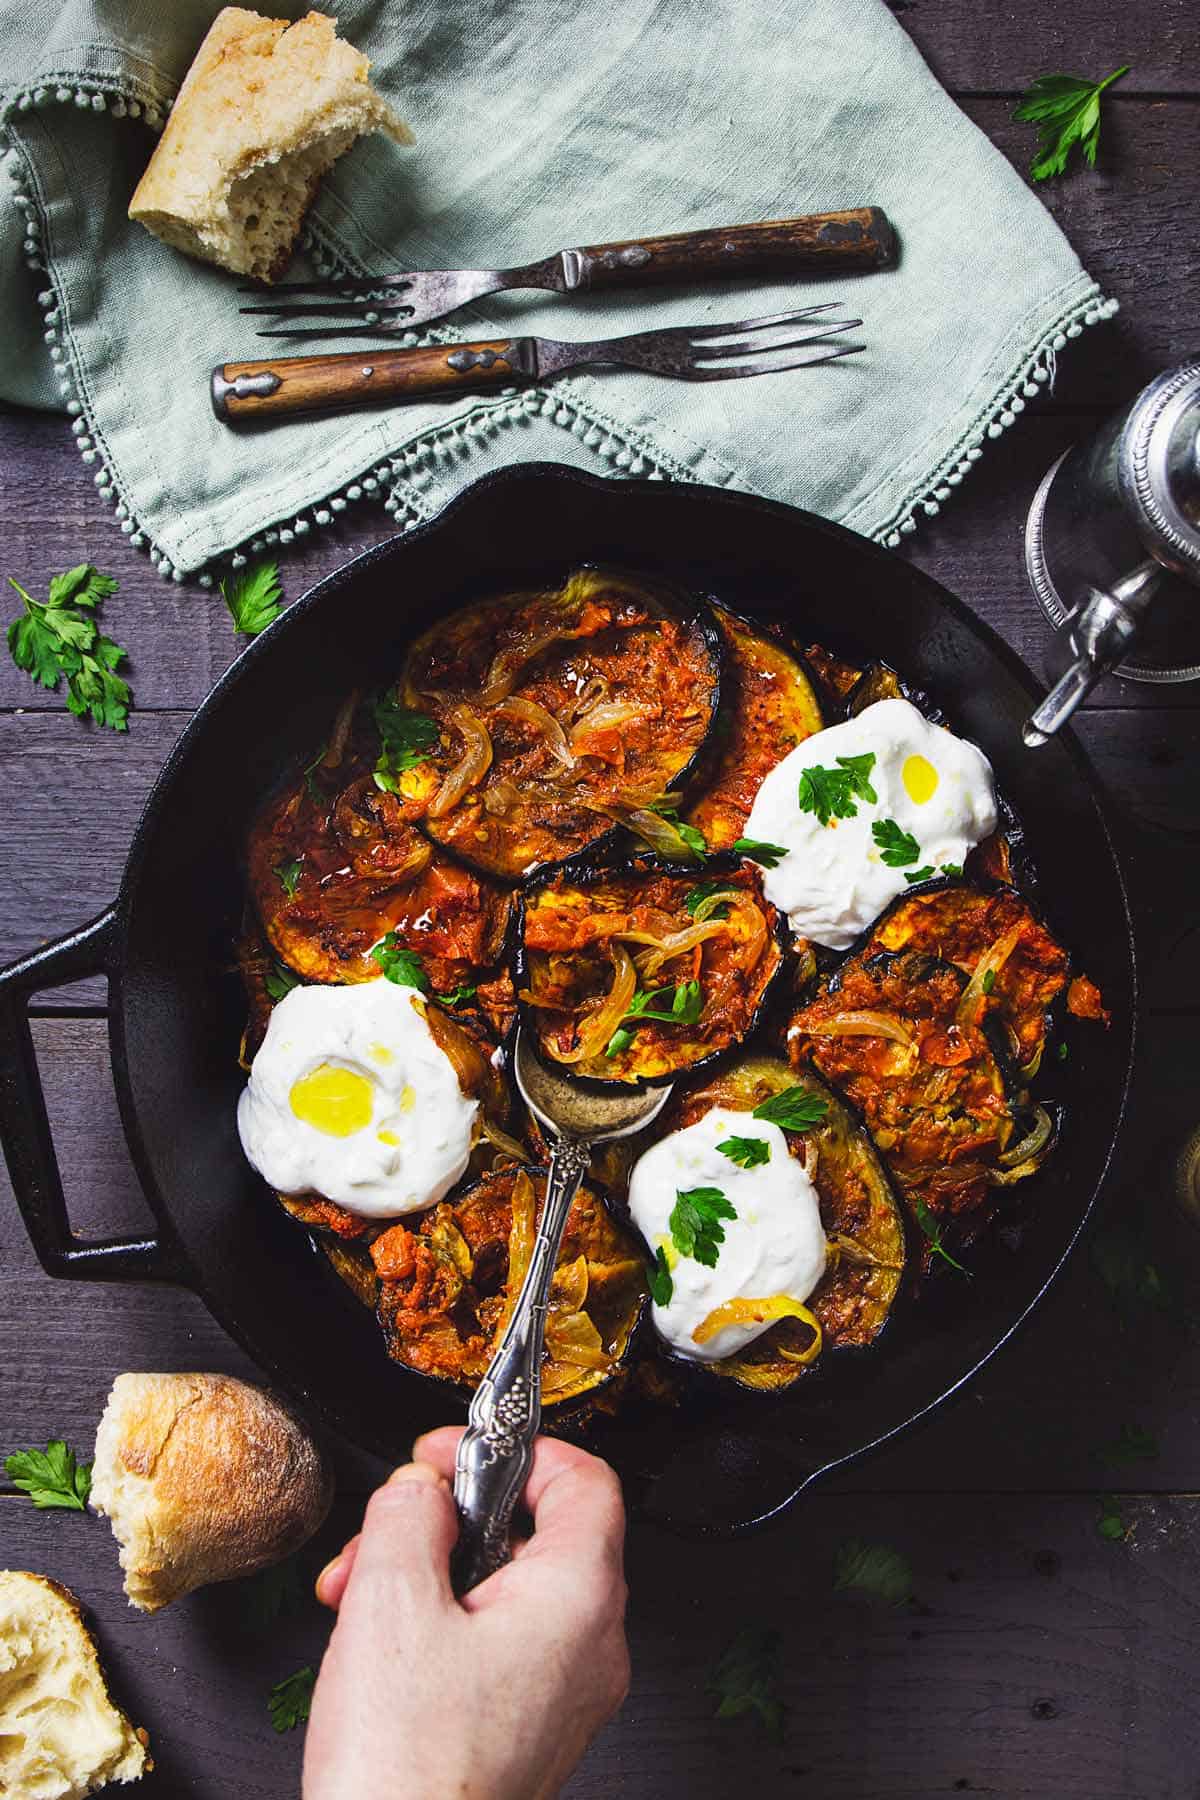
<point>402,1560</point>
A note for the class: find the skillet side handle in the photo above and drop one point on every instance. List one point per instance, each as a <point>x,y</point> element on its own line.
<point>25,1127</point>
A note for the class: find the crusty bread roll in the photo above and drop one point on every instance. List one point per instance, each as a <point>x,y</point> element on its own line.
<point>61,1737</point>
<point>204,1479</point>
<point>265,109</point>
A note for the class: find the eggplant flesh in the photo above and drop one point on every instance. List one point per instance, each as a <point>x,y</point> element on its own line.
<point>862,1216</point>
<point>638,975</point>
<point>885,1032</point>
<point>768,706</point>
<point>447,1285</point>
<point>559,712</point>
<point>995,929</point>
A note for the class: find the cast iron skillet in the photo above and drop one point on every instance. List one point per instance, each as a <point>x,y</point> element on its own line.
<point>176,1010</point>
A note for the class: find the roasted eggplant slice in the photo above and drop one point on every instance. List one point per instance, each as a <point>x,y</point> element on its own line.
<point>891,1032</point>
<point>331,875</point>
<point>1016,968</point>
<point>863,1222</point>
<point>768,706</point>
<point>447,1288</point>
<point>559,713</point>
<point>836,677</point>
<point>638,975</point>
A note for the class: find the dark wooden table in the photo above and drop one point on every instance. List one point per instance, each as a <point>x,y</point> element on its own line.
<point>1039,1656</point>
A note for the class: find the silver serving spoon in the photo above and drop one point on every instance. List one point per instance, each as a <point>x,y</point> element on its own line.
<point>496,1450</point>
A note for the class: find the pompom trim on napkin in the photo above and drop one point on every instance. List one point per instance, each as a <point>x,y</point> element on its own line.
<point>401,476</point>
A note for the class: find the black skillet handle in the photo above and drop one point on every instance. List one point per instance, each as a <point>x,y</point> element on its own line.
<point>25,1128</point>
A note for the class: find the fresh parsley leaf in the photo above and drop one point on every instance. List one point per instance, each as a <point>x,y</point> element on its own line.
<point>252,596</point>
<point>1110,1524</point>
<point>288,876</point>
<point>406,738</point>
<point>832,793</point>
<point>1132,1445</point>
<point>1066,111</point>
<point>933,1234</point>
<point>279,981</point>
<point>769,855</point>
<point>747,1153</point>
<point>310,780</point>
<point>897,847</point>
<point>874,1569</point>
<point>693,841</point>
<point>795,1109</point>
<point>989,981</point>
<point>695,1223</point>
<point>402,966</point>
<point>744,1676</point>
<point>290,1700</point>
<point>952,869</point>
<point>271,1594</point>
<point>51,1477</point>
<point>58,639</point>
<point>659,1276</point>
<point>706,891</point>
<point>1062,1053</point>
<point>686,1005</point>
<point>462,995</point>
<point>620,1040</point>
<point>925,874</point>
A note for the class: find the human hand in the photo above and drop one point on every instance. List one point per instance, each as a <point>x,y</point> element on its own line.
<point>491,1697</point>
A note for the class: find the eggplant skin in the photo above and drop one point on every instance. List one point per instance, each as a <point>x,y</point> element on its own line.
<point>960,922</point>
<point>446,1285</point>
<point>574,927</point>
<point>625,667</point>
<point>938,1108</point>
<point>853,1299</point>
<point>768,706</point>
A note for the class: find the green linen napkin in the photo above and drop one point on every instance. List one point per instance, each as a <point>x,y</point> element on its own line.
<point>539,124</point>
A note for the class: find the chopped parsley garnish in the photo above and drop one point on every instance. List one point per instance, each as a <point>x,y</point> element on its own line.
<point>706,890</point>
<point>747,1153</point>
<point>288,876</point>
<point>1066,111</point>
<point>834,793</point>
<point>620,1040</point>
<point>695,1223</point>
<point>989,981</point>
<point>933,1234</point>
<point>744,1676</point>
<point>692,839</point>
<point>897,847</point>
<point>686,1005</point>
<point>659,1276</point>
<point>925,874</point>
<point>252,596</point>
<point>51,1477</point>
<point>310,780</point>
<point>279,981</point>
<point>1063,1052</point>
<point>462,995</point>
<point>1110,1524</point>
<point>795,1109</point>
<point>874,1569</point>
<point>290,1700</point>
<point>402,966</point>
<point>952,869</point>
<point>58,639</point>
<point>769,855</point>
<point>406,738</point>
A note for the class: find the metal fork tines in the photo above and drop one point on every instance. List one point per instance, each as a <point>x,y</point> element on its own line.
<point>388,304</point>
<point>715,352</point>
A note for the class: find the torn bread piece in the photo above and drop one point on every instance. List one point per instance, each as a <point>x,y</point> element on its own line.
<point>61,1737</point>
<point>204,1479</point>
<point>266,108</point>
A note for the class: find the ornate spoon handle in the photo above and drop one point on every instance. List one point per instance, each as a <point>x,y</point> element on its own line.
<point>496,1450</point>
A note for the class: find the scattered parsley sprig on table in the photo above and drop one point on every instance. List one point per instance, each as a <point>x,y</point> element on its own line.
<point>58,639</point>
<point>744,1677</point>
<point>290,1700</point>
<point>1066,111</point>
<point>252,596</point>
<point>873,1569</point>
<point>51,1477</point>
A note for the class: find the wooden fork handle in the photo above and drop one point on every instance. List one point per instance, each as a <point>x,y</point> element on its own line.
<point>859,239</point>
<point>245,391</point>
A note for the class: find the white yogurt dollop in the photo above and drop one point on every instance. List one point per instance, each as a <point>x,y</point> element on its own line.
<point>833,882</point>
<point>775,1245</point>
<point>351,1097</point>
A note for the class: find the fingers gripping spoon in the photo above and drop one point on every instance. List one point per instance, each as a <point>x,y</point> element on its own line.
<point>496,1450</point>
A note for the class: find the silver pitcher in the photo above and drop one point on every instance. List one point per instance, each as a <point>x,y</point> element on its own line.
<point>1112,547</point>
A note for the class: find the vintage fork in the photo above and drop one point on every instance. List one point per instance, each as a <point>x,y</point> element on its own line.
<point>819,243</point>
<point>245,391</point>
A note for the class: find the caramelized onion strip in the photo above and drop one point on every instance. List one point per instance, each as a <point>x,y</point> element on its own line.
<point>516,706</point>
<point>471,767</point>
<point>599,1026</point>
<point>864,1024</point>
<point>990,963</point>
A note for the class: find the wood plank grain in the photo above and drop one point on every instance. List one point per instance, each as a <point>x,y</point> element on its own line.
<point>971,50</point>
<point>62,1343</point>
<point>1036,1657</point>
